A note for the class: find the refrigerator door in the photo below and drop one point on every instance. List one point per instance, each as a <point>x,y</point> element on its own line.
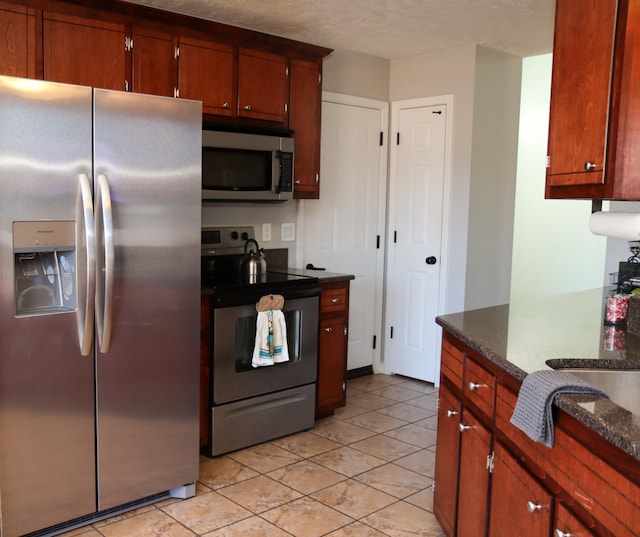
<point>147,158</point>
<point>47,442</point>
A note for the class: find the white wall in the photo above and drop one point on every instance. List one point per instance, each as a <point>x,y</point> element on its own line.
<point>353,73</point>
<point>493,177</point>
<point>553,250</point>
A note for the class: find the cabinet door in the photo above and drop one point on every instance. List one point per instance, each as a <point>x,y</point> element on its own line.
<point>473,486</point>
<point>263,86</point>
<point>567,525</point>
<point>447,455</point>
<point>581,81</point>
<point>304,120</point>
<point>154,66</point>
<point>84,51</point>
<point>519,504</point>
<point>206,72</point>
<point>332,364</point>
<point>17,41</point>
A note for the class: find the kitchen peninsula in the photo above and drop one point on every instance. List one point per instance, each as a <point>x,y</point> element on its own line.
<point>489,475</point>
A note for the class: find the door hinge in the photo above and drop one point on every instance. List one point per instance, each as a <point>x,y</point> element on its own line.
<point>377,242</point>
<point>374,340</point>
<point>398,139</point>
<point>176,93</point>
<point>286,108</point>
<point>176,52</point>
<point>381,138</point>
<point>548,162</point>
<point>391,333</point>
<point>320,78</point>
<point>126,85</point>
<point>286,71</point>
<point>345,330</point>
<point>395,237</point>
<point>490,462</point>
<point>128,43</point>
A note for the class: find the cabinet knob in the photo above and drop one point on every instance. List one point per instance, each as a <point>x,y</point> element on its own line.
<point>533,507</point>
<point>588,166</point>
<point>247,107</point>
<point>328,329</point>
<point>462,428</point>
<point>560,533</point>
<point>451,413</point>
<point>297,181</point>
<point>473,386</point>
<point>226,106</point>
<point>335,300</point>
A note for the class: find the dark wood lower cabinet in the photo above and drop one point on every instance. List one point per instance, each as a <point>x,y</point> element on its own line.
<point>331,387</point>
<point>519,504</point>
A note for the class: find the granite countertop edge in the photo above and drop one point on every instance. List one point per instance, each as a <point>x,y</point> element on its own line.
<point>613,429</point>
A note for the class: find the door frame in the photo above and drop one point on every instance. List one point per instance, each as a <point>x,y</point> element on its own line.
<point>396,107</point>
<point>383,108</point>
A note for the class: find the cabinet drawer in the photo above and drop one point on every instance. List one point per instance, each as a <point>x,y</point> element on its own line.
<point>451,363</point>
<point>333,300</point>
<point>479,386</point>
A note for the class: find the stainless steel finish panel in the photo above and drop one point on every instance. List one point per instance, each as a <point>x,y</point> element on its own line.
<point>149,149</point>
<point>231,385</point>
<point>47,449</point>
<point>251,421</point>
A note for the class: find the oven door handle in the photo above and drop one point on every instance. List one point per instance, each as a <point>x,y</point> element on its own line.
<point>246,297</point>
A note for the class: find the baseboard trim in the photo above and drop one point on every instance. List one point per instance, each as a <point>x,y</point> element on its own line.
<point>359,372</point>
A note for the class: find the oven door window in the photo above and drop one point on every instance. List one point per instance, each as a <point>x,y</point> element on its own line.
<point>246,339</point>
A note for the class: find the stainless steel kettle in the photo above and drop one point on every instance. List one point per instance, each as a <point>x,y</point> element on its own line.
<point>254,264</point>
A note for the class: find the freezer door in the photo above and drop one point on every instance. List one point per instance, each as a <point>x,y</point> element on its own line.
<point>47,445</point>
<point>147,156</point>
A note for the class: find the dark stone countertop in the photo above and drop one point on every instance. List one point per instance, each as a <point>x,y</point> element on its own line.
<point>322,275</point>
<point>558,330</point>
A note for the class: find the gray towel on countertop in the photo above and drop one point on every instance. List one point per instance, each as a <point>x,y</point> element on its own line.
<point>533,412</point>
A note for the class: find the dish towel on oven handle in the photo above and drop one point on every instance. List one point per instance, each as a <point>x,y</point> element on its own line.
<point>271,339</point>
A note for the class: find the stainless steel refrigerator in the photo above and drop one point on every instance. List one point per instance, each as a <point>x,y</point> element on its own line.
<point>99,227</point>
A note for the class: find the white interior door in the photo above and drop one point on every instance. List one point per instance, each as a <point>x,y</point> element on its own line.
<point>343,230</point>
<point>415,264</point>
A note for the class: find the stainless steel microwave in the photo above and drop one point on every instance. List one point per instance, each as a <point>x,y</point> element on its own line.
<point>246,167</point>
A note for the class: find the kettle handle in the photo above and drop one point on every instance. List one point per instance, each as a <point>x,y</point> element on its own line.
<point>254,242</point>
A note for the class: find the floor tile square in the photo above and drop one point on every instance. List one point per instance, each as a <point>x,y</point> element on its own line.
<point>249,527</point>
<point>394,480</point>
<point>306,476</point>
<point>384,447</point>
<point>259,494</point>
<point>149,524</point>
<point>353,498</point>
<point>357,529</point>
<point>348,461</point>
<point>402,519</point>
<point>376,421</point>
<point>222,471</point>
<point>264,457</point>
<point>422,462</point>
<point>306,444</point>
<point>307,517</point>
<point>341,431</point>
<point>414,434</point>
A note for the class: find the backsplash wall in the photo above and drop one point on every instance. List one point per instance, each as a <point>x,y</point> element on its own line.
<point>257,214</point>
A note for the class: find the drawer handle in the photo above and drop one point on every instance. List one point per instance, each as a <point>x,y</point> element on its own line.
<point>588,166</point>
<point>533,507</point>
<point>451,413</point>
<point>560,533</point>
<point>462,428</point>
<point>226,106</point>
<point>335,300</point>
<point>328,329</point>
<point>473,386</point>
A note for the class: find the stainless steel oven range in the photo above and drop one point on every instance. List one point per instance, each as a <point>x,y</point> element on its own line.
<point>250,404</point>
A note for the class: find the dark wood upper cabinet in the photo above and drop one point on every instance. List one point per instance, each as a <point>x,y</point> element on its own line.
<point>595,101</point>
<point>154,66</point>
<point>84,51</point>
<point>263,86</point>
<point>207,73</point>
<point>17,41</point>
<point>304,119</point>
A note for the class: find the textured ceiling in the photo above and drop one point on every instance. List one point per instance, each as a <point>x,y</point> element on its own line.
<point>387,28</point>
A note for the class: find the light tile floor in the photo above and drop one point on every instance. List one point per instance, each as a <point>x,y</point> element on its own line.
<point>367,471</point>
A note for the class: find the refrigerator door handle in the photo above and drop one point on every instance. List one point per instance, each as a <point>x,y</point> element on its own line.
<point>104,241</point>
<point>85,315</point>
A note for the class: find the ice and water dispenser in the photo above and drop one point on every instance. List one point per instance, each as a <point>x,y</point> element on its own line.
<point>44,267</point>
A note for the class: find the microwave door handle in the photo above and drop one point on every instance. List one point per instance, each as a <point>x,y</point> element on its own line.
<point>86,311</point>
<point>277,154</point>
<point>104,240</point>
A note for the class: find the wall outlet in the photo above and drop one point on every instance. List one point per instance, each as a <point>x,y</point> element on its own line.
<point>288,232</point>
<point>266,232</point>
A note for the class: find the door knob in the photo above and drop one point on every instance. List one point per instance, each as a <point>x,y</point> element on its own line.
<point>431,260</point>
